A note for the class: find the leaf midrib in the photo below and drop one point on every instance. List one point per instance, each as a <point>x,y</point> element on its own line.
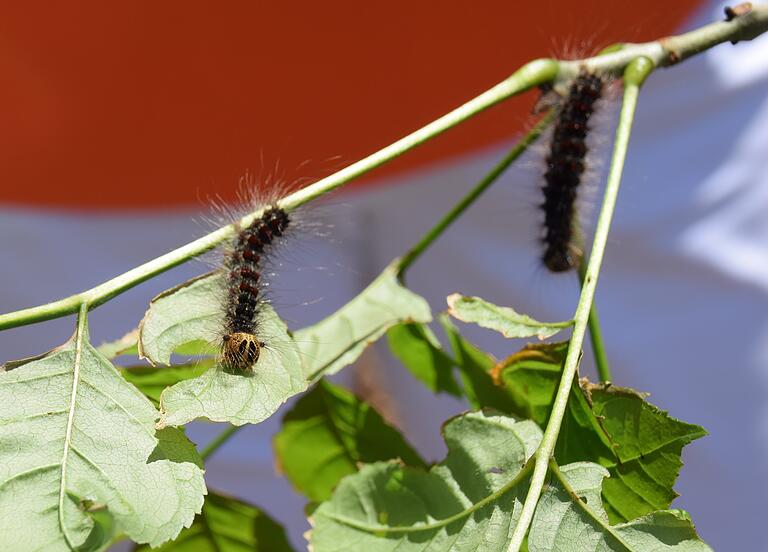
<point>442,522</point>
<point>81,329</point>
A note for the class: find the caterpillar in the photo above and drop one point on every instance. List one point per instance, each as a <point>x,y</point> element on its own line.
<point>565,166</point>
<point>241,346</point>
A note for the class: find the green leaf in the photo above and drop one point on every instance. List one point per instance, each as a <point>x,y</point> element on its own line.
<point>570,516</point>
<point>531,377</point>
<point>191,312</point>
<point>76,438</point>
<point>501,319</point>
<point>340,339</point>
<point>419,351</point>
<point>227,524</point>
<point>126,345</point>
<point>615,427</point>
<point>327,434</point>
<point>188,314</point>
<point>470,501</point>
<point>240,397</point>
<point>152,381</point>
<point>476,368</point>
<point>648,443</point>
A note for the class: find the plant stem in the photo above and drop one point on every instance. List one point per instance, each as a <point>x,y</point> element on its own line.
<point>634,76</point>
<point>532,74</point>
<point>596,337</point>
<point>674,49</point>
<point>219,440</point>
<point>416,251</point>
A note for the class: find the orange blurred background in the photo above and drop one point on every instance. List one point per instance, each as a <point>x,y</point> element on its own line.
<point>153,104</point>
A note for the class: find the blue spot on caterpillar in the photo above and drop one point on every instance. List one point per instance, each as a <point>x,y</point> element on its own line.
<point>565,166</point>
<point>240,345</point>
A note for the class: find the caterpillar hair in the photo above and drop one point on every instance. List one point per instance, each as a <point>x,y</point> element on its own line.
<point>252,262</point>
<point>241,345</point>
<point>566,162</point>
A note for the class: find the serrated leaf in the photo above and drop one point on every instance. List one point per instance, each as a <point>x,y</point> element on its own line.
<point>327,434</point>
<point>504,320</point>
<point>152,381</point>
<point>470,501</point>
<point>648,445</point>
<point>570,516</point>
<point>613,426</point>
<point>227,524</point>
<point>340,339</point>
<point>76,438</point>
<point>419,350</point>
<point>240,397</point>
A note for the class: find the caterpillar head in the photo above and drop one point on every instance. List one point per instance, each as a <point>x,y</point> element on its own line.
<point>240,350</point>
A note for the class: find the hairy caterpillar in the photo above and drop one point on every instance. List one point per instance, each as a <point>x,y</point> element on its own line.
<point>565,166</point>
<point>241,345</point>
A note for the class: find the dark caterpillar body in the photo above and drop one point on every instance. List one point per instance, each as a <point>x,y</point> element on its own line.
<point>240,344</point>
<point>565,166</point>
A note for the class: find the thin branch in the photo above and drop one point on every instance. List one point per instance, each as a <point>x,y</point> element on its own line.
<point>674,49</point>
<point>517,150</point>
<point>596,338</point>
<point>219,440</point>
<point>634,76</point>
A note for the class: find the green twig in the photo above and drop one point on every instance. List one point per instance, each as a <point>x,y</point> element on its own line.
<point>528,76</point>
<point>219,440</point>
<point>634,76</point>
<point>416,251</point>
<point>596,337</point>
<point>674,49</point>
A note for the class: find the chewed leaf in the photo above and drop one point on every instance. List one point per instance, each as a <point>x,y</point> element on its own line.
<point>80,458</point>
<point>327,434</point>
<point>340,339</point>
<point>504,320</point>
<point>227,524</point>
<point>570,516</point>
<point>287,364</point>
<point>648,444</point>
<point>240,397</point>
<point>189,313</point>
<point>473,497</point>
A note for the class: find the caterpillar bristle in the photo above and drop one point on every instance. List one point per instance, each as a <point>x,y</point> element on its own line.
<point>240,347</point>
<point>565,167</point>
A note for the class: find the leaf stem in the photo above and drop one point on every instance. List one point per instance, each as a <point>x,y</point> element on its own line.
<point>438,523</point>
<point>596,337</point>
<point>634,75</point>
<point>219,440</point>
<point>417,250</point>
<point>530,75</point>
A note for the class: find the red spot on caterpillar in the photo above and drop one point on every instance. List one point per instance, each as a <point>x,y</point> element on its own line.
<point>565,166</point>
